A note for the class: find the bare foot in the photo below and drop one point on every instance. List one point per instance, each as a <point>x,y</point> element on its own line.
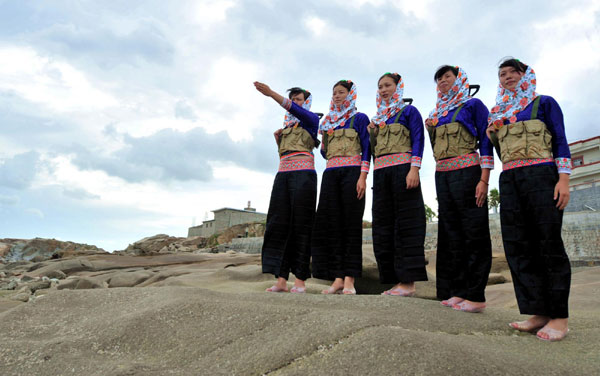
<point>349,286</point>
<point>280,286</point>
<point>554,330</point>
<point>469,306</point>
<point>401,289</point>
<point>530,325</point>
<point>336,287</point>
<point>452,301</point>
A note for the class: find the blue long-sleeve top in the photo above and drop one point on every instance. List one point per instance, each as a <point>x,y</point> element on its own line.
<point>550,113</point>
<point>411,119</point>
<point>474,117</point>
<point>361,123</point>
<point>308,120</point>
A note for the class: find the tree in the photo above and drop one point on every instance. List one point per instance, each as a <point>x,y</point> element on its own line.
<point>429,213</point>
<point>494,199</point>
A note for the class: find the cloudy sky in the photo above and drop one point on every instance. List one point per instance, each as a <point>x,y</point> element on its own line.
<point>124,119</point>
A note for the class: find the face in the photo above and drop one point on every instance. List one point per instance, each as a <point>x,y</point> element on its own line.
<point>298,99</point>
<point>339,95</point>
<point>509,77</point>
<point>445,82</point>
<point>387,88</point>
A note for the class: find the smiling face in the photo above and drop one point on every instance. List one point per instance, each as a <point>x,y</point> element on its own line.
<point>298,99</point>
<point>339,95</point>
<point>445,82</point>
<point>386,88</point>
<point>509,77</point>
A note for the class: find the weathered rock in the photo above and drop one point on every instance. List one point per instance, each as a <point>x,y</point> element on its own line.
<point>57,274</point>
<point>2,275</point>
<point>66,266</point>
<point>27,278</point>
<point>129,279</point>
<point>22,296</point>
<point>80,283</point>
<point>39,249</point>
<point>495,279</point>
<point>150,245</point>
<point>39,285</point>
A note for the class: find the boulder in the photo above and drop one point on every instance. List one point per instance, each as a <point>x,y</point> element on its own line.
<point>151,245</point>
<point>39,249</point>
<point>79,283</point>
<point>22,296</point>
<point>39,285</point>
<point>129,279</point>
<point>496,279</point>
<point>66,266</point>
<point>56,274</point>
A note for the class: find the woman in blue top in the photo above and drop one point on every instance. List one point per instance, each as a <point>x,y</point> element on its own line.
<point>337,236</point>
<point>464,158</point>
<point>290,219</point>
<point>398,209</point>
<point>529,132</point>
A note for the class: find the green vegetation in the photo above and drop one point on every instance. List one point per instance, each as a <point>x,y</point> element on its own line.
<point>494,199</point>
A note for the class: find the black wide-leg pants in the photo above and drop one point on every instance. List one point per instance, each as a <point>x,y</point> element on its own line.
<point>399,226</point>
<point>531,233</point>
<point>337,235</point>
<point>290,220</point>
<point>464,252</point>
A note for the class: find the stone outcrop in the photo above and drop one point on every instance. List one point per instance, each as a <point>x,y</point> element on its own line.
<point>162,243</point>
<point>38,249</point>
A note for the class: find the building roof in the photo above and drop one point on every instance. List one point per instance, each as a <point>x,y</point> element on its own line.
<point>582,141</point>
<point>238,210</point>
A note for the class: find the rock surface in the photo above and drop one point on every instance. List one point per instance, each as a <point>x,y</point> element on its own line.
<point>191,314</point>
<point>39,249</point>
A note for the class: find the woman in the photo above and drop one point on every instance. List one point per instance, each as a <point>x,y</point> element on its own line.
<point>398,209</point>
<point>534,189</point>
<point>291,213</point>
<point>457,128</point>
<point>337,236</point>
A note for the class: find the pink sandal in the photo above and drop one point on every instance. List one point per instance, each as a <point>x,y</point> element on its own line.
<point>553,334</point>
<point>298,290</point>
<point>276,289</point>
<point>331,291</point>
<point>399,292</point>
<point>465,307</point>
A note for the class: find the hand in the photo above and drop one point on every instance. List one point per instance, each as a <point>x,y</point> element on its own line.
<point>561,191</point>
<point>263,88</point>
<point>489,131</point>
<point>277,134</point>
<point>428,122</point>
<point>372,125</point>
<point>412,178</point>
<point>361,185</point>
<point>481,192</point>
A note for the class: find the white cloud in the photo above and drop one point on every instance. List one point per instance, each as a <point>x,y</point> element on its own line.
<point>207,13</point>
<point>49,82</point>
<point>35,212</point>
<point>315,25</point>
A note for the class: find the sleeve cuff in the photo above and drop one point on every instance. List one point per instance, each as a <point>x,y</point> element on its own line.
<point>365,166</point>
<point>487,162</point>
<point>415,161</point>
<point>564,165</point>
<point>287,104</point>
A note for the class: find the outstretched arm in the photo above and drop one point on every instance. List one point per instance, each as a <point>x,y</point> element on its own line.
<point>266,90</point>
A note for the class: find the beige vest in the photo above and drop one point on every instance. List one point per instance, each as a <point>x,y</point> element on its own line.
<point>391,139</point>
<point>295,139</point>
<point>529,139</point>
<point>451,140</point>
<point>342,143</point>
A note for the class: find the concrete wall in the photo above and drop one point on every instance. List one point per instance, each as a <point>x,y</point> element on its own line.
<point>584,196</point>
<point>247,245</point>
<point>227,218</point>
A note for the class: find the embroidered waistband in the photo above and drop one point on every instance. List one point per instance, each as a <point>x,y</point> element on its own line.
<point>344,161</point>
<point>457,163</point>
<point>296,165</point>
<point>525,162</point>
<point>391,160</point>
<point>296,153</point>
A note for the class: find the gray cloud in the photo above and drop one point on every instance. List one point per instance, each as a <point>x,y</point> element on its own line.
<point>19,171</point>
<point>173,155</point>
<point>9,200</point>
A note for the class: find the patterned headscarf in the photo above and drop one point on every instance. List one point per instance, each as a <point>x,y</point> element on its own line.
<point>457,95</point>
<point>338,115</point>
<point>389,108</point>
<point>511,102</point>
<point>290,120</point>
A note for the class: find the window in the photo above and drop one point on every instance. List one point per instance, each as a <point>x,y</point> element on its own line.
<point>578,161</point>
